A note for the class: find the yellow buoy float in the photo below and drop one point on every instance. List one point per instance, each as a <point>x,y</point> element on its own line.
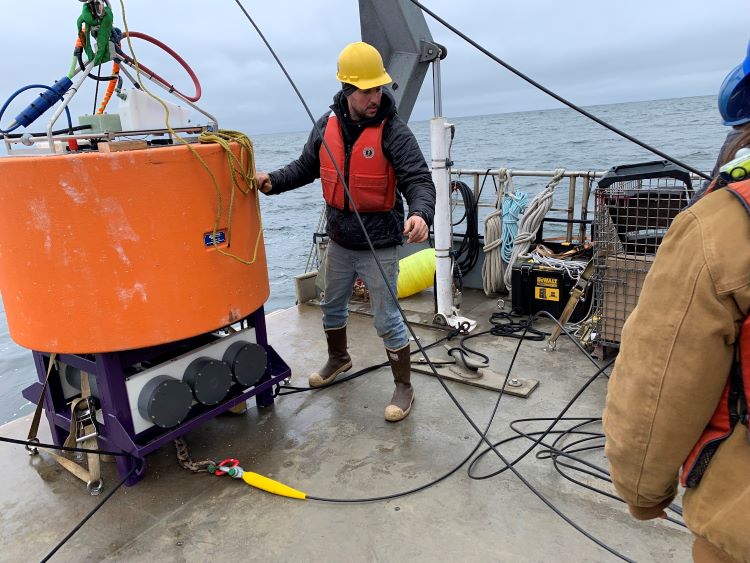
<point>416,272</point>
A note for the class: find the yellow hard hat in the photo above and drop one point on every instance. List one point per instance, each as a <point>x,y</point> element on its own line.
<point>361,65</point>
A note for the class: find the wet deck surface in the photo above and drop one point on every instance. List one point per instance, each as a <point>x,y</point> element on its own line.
<point>335,443</point>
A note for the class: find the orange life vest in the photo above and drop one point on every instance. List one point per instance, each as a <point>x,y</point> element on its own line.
<point>370,177</point>
<point>732,407</point>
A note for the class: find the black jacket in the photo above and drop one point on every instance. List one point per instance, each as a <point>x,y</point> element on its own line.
<point>413,178</point>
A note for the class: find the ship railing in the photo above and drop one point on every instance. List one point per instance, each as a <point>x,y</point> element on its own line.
<point>577,201</point>
<point>574,209</point>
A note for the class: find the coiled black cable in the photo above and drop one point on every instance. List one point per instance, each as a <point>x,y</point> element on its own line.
<point>510,324</point>
<point>467,255</point>
<point>557,450</point>
<point>503,325</point>
<point>468,251</point>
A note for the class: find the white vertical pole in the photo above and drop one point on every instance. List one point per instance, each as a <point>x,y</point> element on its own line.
<point>441,178</point>
<point>443,234</point>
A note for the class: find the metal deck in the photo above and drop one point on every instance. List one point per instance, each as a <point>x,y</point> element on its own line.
<point>334,443</point>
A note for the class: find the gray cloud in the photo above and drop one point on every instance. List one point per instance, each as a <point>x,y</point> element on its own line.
<point>591,52</point>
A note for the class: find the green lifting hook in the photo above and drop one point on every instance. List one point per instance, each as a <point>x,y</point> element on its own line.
<point>98,17</point>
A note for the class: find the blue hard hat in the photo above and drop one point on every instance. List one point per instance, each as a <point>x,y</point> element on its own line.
<point>734,94</point>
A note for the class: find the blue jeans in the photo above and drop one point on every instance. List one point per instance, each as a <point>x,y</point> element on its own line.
<point>342,268</point>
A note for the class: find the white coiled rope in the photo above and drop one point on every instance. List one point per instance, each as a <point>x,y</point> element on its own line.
<point>530,223</point>
<point>573,268</point>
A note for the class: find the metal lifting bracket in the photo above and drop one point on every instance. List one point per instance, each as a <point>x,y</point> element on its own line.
<point>429,52</point>
<point>85,420</point>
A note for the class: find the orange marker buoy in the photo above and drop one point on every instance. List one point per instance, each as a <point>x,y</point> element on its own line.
<point>112,251</point>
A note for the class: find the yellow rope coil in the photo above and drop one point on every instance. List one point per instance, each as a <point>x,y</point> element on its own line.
<point>243,175</point>
<point>243,179</point>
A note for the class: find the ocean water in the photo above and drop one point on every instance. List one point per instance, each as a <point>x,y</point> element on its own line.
<point>686,128</point>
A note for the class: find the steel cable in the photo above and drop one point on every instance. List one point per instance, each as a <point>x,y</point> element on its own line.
<point>559,98</point>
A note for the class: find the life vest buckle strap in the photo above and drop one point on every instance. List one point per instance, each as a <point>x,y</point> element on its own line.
<point>693,473</point>
<point>738,411</point>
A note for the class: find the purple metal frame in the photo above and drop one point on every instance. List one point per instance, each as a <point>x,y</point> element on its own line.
<point>117,434</point>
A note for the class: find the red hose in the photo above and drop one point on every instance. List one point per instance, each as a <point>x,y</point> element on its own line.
<point>175,56</point>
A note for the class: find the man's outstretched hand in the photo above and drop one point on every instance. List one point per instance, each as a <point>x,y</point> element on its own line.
<point>264,182</point>
<point>416,229</point>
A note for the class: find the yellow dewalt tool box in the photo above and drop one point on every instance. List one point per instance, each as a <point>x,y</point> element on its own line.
<point>541,288</point>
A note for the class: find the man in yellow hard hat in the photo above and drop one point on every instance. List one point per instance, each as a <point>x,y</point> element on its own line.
<point>382,164</point>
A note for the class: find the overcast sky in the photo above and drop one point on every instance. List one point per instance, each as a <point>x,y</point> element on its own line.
<point>589,51</point>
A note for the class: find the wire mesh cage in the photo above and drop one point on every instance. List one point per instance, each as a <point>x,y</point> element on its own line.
<point>634,207</point>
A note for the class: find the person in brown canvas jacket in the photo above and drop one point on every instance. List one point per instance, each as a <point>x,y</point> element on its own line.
<point>677,399</point>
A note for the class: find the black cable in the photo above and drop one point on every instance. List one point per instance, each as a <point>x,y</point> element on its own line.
<point>294,390</point>
<point>508,465</point>
<point>36,444</point>
<point>559,98</point>
<point>459,186</point>
<point>542,435</point>
<point>467,254</point>
<point>486,176</point>
<point>96,92</point>
<point>562,434</point>
<point>92,512</point>
<point>465,258</point>
<point>511,465</point>
<point>69,130</point>
<point>503,324</point>
<point>93,76</point>
<point>410,491</point>
<point>454,469</point>
<point>554,452</point>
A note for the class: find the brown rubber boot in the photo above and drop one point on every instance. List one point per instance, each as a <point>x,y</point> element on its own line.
<point>338,359</point>
<point>403,396</point>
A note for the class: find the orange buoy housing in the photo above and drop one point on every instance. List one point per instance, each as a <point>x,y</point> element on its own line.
<point>101,252</point>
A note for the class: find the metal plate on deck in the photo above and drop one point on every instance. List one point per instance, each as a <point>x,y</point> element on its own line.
<point>414,317</point>
<point>484,378</point>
